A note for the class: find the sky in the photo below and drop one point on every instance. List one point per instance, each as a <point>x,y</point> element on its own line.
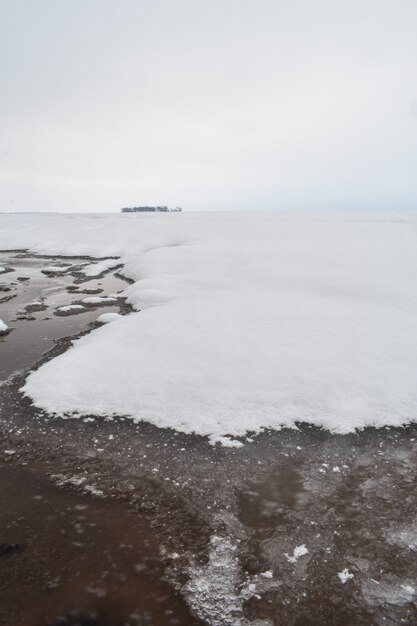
<point>208,104</point>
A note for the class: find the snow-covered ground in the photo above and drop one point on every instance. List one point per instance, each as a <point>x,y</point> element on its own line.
<point>99,300</point>
<point>247,320</point>
<point>107,318</point>
<point>70,307</point>
<point>95,269</point>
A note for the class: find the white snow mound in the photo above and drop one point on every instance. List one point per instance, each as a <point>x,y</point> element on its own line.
<point>247,320</point>
<point>70,307</point>
<point>95,269</point>
<point>98,299</point>
<point>106,318</point>
<point>55,269</point>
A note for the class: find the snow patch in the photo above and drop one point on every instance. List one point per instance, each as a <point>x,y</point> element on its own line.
<point>95,269</point>
<point>107,318</point>
<point>345,575</point>
<point>298,551</point>
<point>70,307</point>
<point>62,480</point>
<point>213,590</point>
<point>76,481</point>
<point>246,320</point>
<point>227,442</point>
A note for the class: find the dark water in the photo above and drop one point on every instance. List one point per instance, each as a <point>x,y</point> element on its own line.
<point>71,559</point>
<point>107,522</point>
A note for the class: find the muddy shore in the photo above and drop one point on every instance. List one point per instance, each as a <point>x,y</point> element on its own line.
<point>109,522</point>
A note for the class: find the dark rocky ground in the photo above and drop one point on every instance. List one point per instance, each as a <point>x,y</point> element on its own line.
<point>107,522</point>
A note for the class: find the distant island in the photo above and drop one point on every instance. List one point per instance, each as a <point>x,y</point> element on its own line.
<point>151,209</point>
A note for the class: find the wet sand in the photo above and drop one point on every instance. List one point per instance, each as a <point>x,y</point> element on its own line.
<point>211,530</point>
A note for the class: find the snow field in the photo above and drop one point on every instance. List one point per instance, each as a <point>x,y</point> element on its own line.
<point>245,321</point>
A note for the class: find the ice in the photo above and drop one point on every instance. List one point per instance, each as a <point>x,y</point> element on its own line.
<point>213,589</point>
<point>2,270</point>
<point>388,590</point>
<point>345,575</point>
<point>404,535</point>
<point>3,327</point>
<point>244,321</point>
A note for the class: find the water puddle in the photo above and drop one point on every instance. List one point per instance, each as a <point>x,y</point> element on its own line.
<point>66,559</point>
<point>31,300</point>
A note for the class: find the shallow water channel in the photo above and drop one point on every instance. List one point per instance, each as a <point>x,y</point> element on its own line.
<point>104,522</point>
<point>30,300</point>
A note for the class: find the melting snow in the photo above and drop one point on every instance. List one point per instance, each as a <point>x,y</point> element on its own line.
<point>227,442</point>
<point>106,318</point>
<point>213,590</point>
<point>247,321</point>
<point>95,269</point>
<point>298,551</point>
<point>70,307</point>
<point>345,575</point>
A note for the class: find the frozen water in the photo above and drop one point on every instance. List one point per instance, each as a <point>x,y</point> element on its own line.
<point>247,321</point>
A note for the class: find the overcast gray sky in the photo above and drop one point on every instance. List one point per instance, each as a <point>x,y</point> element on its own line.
<point>208,104</point>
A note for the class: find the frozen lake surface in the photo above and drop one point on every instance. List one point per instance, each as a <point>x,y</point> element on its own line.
<point>110,522</point>
<point>242,321</point>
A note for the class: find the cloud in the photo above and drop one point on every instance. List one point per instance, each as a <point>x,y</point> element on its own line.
<point>220,104</point>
